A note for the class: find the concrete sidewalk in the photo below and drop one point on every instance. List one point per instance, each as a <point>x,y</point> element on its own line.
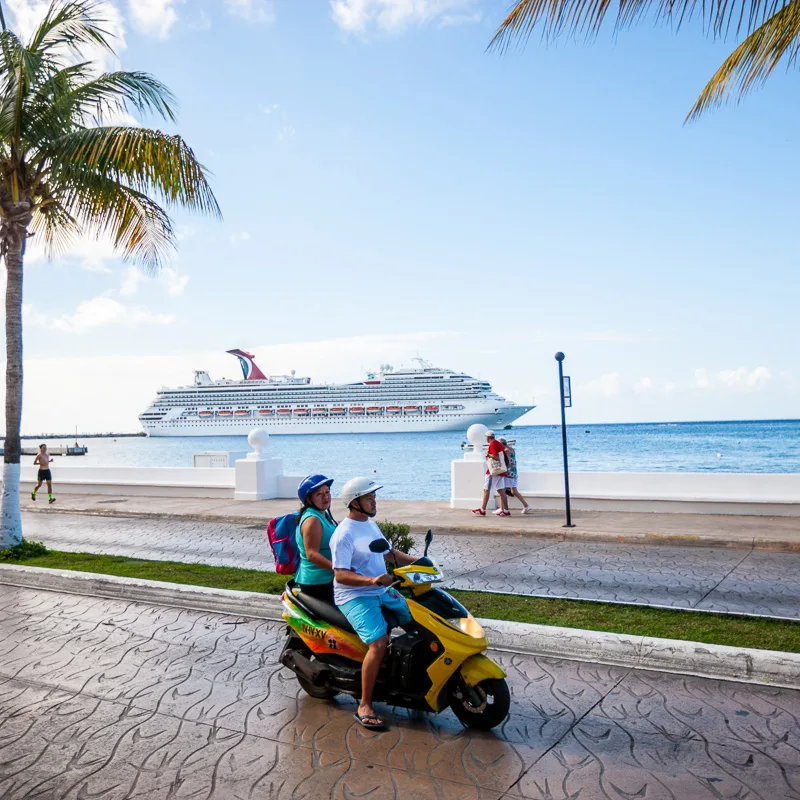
<point>708,530</point>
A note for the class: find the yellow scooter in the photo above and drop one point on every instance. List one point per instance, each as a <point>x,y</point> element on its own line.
<point>441,663</point>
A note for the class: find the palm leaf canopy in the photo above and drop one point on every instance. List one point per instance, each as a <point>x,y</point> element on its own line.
<point>771,29</point>
<point>65,168</point>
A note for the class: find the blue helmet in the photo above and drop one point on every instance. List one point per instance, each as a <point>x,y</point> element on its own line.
<point>310,484</point>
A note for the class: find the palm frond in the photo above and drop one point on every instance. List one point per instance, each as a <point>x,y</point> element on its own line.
<point>146,160</point>
<point>753,61</point>
<point>116,91</point>
<point>586,17</point>
<point>73,24</point>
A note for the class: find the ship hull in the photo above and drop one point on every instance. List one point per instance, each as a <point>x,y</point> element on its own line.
<point>422,423</point>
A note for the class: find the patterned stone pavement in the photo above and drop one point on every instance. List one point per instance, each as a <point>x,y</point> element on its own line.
<point>116,700</point>
<point>709,578</point>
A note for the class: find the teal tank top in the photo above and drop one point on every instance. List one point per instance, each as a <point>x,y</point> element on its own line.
<point>308,572</point>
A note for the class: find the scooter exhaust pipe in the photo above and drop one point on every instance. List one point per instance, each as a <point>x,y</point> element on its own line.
<point>312,671</point>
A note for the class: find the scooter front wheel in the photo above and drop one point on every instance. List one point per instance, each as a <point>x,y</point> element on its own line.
<point>483,706</point>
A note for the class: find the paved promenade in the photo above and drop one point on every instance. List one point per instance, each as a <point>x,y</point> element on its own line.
<point>739,579</point>
<point>116,700</point>
<point>771,533</point>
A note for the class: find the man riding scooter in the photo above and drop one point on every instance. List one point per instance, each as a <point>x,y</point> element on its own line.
<point>360,587</point>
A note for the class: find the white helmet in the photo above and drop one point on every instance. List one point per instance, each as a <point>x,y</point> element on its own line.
<point>357,487</point>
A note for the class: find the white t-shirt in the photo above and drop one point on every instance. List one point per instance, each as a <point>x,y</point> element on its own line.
<point>350,549</point>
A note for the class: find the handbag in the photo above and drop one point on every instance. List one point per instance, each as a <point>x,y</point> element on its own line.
<point>497,466</point>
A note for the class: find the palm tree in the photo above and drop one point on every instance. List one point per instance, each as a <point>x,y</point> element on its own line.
<point>65,171</point>
<point>771,29</point>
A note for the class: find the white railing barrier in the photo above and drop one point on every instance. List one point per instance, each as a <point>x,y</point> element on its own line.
<point>254,477</point>
<point>670,492</point>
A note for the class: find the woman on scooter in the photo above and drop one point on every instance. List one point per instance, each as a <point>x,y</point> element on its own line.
<point>315,526</point>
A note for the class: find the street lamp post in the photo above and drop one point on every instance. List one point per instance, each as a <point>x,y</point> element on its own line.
<point>564,396</point>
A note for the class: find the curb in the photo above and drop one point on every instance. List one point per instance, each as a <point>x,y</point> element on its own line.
<point>636,652</point>
<point>685,540</point>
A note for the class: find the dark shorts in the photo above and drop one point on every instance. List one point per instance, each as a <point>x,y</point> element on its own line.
<point>322,591</point>
<point>44,475</point>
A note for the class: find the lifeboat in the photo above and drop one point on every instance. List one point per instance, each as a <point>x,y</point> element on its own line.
<point>431,409</point>
<point>284,411</point>
<point>393,409</point>
<point>319,412</point>
<point>338,410</point>
<point>241,412</point>
<point>224,413</point>
<point>374,410</point>
<point>301,412</point>
<point>412,409</point>
<point>356,409</point>
<point>206,413</point>
<point>265,411</point>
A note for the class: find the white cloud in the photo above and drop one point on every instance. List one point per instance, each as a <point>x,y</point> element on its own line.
<point>743,378</point>
<point>452,20</point>
<point>286,132</point>
<point>153,17</point>
<point>270,108</point>
<point>89,254</point>
<point>176,282</point>
<point>606,385</point>
<point>130,285</point>
<point>251,10</point>
<point>27,14</point>
<point>99,312</point>
<point>238,238</point>
<point>202,23</point>
<point>701,380</point>
<point>355,16</point>
<point>643,385</point>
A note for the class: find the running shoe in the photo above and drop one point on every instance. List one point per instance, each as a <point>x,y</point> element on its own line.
<point>51,500</point>
<point>527,510</point>
<point>33,496</point>
<point>501,513</point>
<point>478,512</point>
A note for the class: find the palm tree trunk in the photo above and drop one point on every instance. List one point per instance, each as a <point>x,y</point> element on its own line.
<point>10,518</point>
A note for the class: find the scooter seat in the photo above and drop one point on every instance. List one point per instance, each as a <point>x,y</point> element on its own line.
<point>322,610</point>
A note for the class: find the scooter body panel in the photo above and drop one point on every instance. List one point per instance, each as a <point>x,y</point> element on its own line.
<point>321,637</point>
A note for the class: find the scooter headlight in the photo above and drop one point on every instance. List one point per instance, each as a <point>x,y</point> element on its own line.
<point>469,625</point>
<point>424,577</point>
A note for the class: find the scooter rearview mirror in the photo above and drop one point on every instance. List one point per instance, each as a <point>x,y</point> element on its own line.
<point>428,540</point>
<point>379,546</point>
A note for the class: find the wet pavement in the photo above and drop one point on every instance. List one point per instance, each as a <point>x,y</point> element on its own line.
<point>117,700</point>
<point>705,578</point>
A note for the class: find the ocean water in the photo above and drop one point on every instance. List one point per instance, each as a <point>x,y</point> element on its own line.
<point>417,465</point>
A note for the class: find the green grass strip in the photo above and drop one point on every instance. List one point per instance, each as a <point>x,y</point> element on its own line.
<point>694,626</point>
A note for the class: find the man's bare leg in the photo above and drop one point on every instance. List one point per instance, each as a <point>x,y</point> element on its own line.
<point>36,489</point>
<point>369,674</point>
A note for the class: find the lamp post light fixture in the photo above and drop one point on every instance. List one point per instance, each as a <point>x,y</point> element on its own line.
<point>565,394</point>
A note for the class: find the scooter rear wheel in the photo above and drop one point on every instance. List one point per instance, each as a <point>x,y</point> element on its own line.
<point>484,706</point>
<point>320,692</point>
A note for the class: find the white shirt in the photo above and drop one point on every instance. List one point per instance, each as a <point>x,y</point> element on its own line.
<point>350,548</point>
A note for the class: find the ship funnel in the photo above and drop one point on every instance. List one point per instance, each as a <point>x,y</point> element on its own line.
<point>249,369</point>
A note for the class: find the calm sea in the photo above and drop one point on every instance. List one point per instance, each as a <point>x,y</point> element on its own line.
<point>417,465</point>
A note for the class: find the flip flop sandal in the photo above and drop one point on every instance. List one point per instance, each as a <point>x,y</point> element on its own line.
<point>377,725</point>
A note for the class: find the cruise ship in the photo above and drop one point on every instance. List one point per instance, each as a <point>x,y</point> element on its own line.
<point>422,398</point>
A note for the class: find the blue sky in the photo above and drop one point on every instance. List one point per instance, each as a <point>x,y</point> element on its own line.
<point>390,188</point>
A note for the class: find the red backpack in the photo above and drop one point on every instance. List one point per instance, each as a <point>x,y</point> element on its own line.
<point>282,536</point>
